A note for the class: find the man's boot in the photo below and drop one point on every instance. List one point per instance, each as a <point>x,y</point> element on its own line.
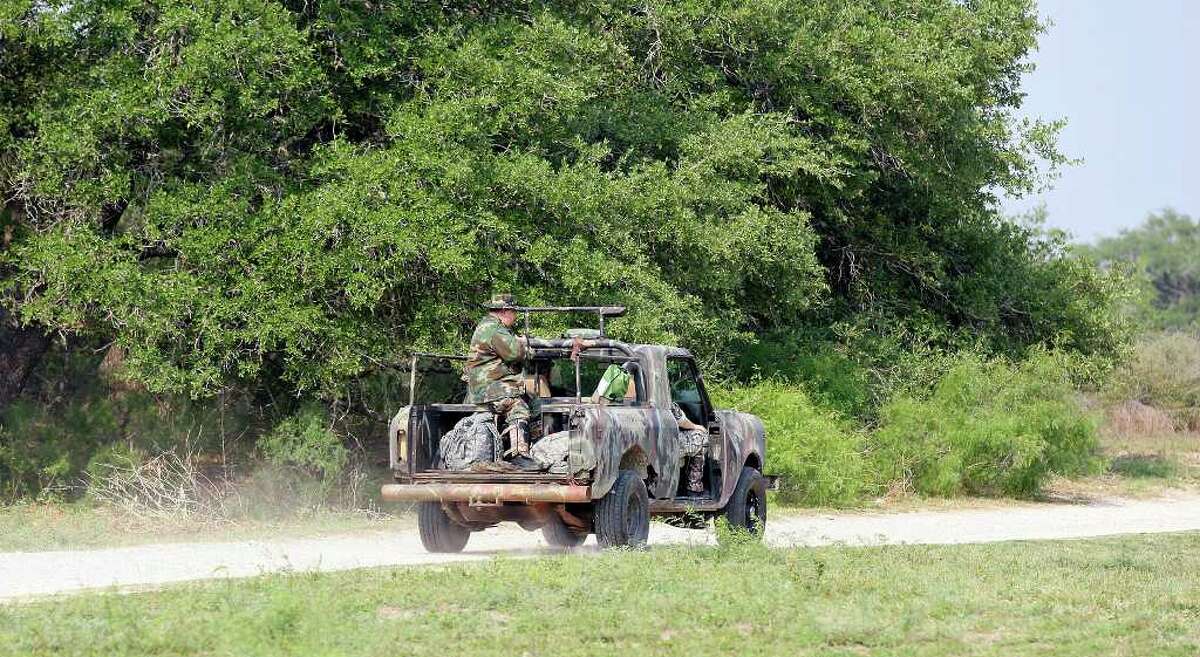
<point>519,449</point>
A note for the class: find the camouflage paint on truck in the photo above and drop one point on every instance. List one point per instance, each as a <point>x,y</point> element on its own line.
<point>636,438</point>
<point>746,440</point>
<point>645,438</point>
<point>606,438</point>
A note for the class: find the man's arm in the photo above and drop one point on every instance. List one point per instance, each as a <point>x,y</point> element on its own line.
<point>681,419</point>
<point>510,348</point>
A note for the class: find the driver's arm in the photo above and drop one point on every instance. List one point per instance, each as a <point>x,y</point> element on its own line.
<point>688,425</point>
<point>682,420</point>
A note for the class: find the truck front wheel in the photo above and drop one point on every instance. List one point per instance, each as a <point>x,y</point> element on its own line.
<point>622,517</point>
<point>747,508</point>
<point>438,532</point>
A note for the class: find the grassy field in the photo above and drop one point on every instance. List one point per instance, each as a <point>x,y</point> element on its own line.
<point>1139,466</point>
<point>1175,455</point>
<point>1120,596</point>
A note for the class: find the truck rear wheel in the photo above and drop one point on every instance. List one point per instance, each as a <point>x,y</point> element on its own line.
<point>558,534</point>
<point>438,532</point>
<point>747,509</point>
<point>622,517</point>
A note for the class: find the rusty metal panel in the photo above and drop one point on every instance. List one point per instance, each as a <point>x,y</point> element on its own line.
<point>461,477</point>
<point>486,493</point>
<point>654,368</point>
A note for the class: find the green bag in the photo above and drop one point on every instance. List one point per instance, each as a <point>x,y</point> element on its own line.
<point>614,384</point>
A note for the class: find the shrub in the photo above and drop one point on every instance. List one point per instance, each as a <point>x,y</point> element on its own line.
<point>75,416</point>
<point>167,486</point>
<point>818,457</point>
<point>1142,466</point>
<point>989,427</point>
<point>1133,418</point>
<point>307,440</point>
<point>1163,372</point>
<point>44,448</point>
<point>828,376</point>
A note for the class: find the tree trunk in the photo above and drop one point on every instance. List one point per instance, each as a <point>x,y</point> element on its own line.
<point>20,351</point>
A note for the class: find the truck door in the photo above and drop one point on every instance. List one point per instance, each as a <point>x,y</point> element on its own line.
<point>687,391</point>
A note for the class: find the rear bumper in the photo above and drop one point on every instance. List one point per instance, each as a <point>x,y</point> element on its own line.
<point>487,493</point>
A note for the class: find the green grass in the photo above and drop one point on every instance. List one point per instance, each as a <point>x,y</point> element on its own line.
<point>1163,460</point>
<point>1133,595</point>
<point>1142,466</point>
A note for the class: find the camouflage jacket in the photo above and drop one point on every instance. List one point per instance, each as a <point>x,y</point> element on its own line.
<point>493,368</point>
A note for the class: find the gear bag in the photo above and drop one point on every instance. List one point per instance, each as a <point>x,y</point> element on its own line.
<point>474,439</point>
<point>613,384</point>
<point>551,452</point>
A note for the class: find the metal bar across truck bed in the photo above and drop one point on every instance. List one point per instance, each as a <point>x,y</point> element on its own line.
<point>487,493</point>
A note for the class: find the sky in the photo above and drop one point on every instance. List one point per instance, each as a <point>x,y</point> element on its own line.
<point>1126,76</point>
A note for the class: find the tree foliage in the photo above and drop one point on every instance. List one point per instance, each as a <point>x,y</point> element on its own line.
<point>288,192</point>
<point>1165,252</point>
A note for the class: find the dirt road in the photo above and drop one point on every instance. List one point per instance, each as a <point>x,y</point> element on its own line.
<point>31,574</point>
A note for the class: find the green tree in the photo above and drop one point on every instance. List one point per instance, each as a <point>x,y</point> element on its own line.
<point>1165,251</point>
<point>287,193</point>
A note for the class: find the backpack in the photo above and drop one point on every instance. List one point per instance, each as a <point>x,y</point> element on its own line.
<point>473,439</point>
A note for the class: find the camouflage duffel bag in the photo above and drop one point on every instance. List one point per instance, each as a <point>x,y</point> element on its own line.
<point>551,452</point>
<point>473,440</point>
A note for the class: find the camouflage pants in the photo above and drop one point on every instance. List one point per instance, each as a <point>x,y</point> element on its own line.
<point>692,445</point>
<point>515,409</point>
<point>693,442</point>
<point>694,474</point>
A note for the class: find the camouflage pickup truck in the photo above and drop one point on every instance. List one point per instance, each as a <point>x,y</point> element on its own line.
<point>623,462</point>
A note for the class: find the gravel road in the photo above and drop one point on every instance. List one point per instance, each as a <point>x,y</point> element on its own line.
<point>25,575</point>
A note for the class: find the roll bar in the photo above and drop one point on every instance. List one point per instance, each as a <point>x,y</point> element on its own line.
<point>543,347</point>
<point>601,312</point>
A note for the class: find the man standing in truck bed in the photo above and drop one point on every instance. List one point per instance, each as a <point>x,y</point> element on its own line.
<point>494,373</point>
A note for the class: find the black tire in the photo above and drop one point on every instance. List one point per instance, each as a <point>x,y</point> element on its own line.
<point>622,517</point>
<point>559,535</point>
<point>747,509</point>
<point>438,532</point>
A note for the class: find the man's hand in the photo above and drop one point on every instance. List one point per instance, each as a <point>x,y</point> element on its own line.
<point>579,344</point>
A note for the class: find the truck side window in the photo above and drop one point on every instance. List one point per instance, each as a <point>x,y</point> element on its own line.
<point>685,389</point>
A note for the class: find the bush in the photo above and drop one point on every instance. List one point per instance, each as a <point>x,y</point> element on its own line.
<point>1133,418</point>
<point>988,428</point>
<point>829,377</point>
<point>44,448</point>
<point>167,486</point>
<point>72,421</point>
<point>819,459</point>
<point>1163,372</point>
<point>307,440</point>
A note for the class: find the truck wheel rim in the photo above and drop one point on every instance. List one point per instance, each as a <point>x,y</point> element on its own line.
<point>753,521</point>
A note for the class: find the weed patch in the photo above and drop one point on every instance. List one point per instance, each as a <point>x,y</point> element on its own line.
<point>1162,373</point>
<point>989,428</point>
<point>1143,466</point>
<point>816,453</point>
